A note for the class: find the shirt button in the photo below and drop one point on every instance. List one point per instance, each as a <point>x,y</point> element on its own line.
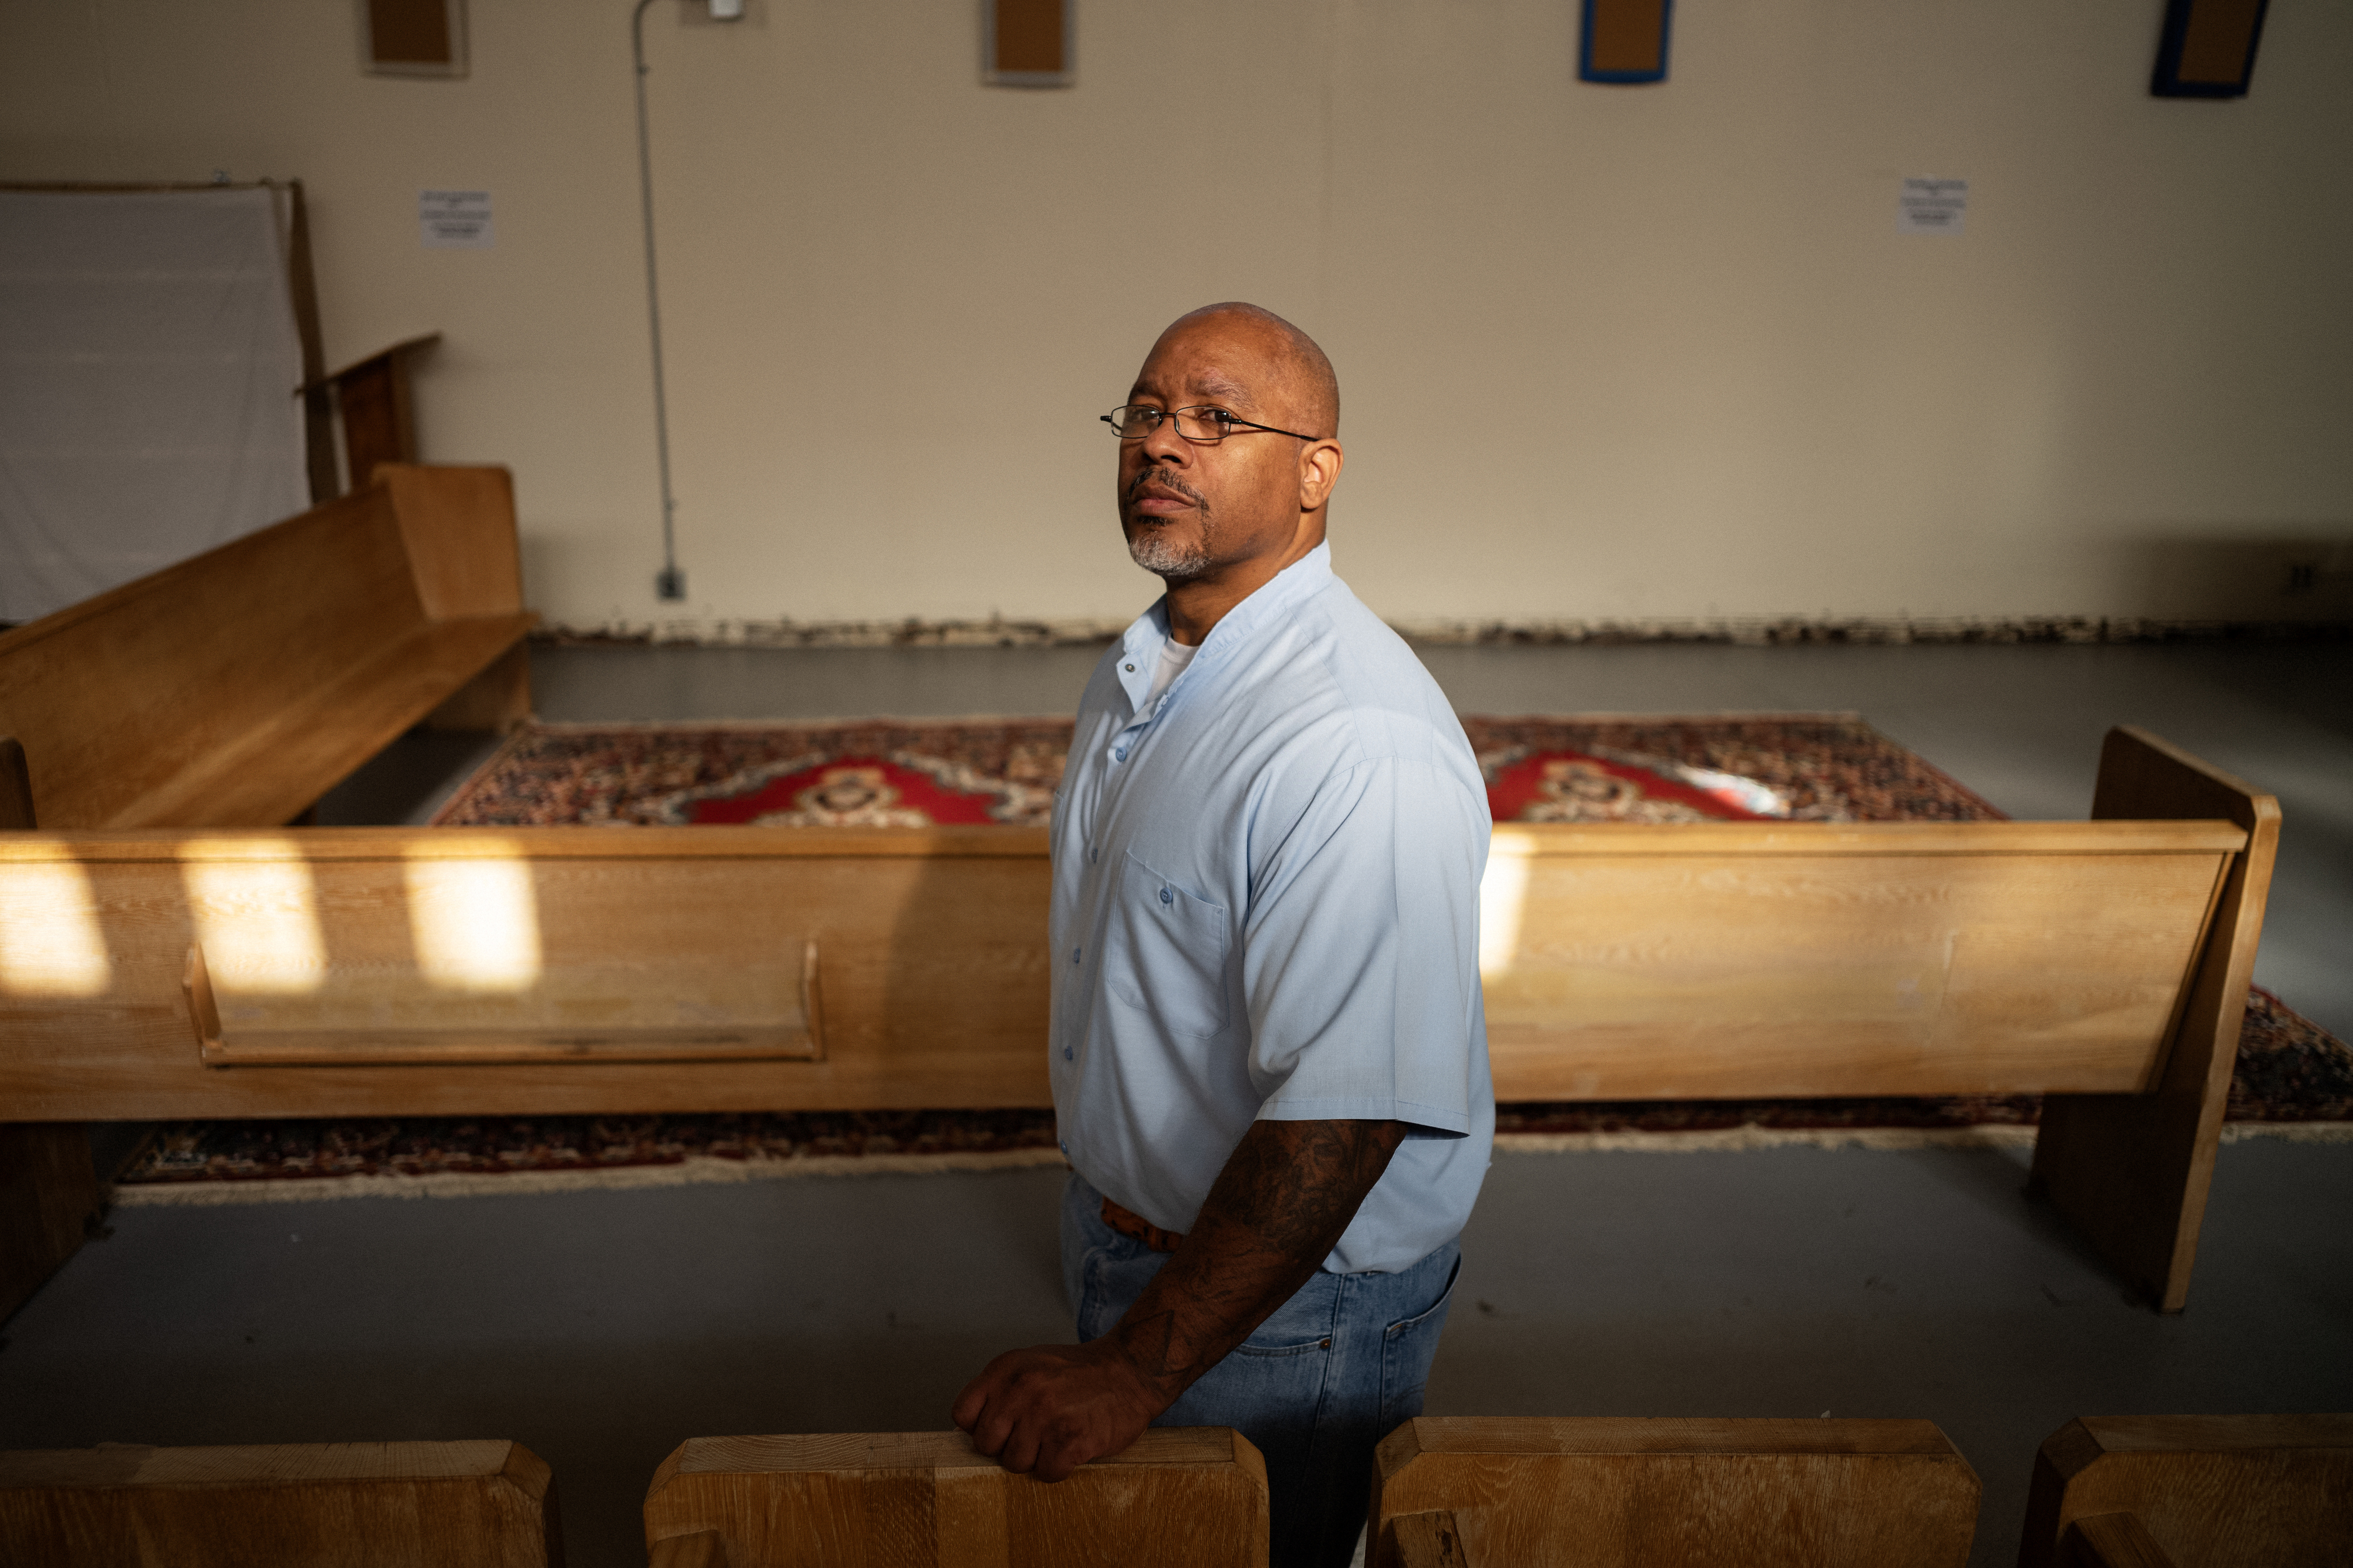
<point>1066,1057</point>
<point>1166,897</point>
<point>1074,954</point>
<point>1120,754</point>
<point>1131,669</point>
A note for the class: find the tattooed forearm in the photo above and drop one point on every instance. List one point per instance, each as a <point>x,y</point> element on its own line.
<point>1286,1194</point>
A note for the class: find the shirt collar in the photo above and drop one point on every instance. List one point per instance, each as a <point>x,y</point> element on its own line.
<point>1286,589</point>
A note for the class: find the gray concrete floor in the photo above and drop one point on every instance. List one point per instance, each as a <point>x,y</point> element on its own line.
<point>600,1329</point>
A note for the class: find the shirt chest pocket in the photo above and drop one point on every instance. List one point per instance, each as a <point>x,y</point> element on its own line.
<point>1165,951</point>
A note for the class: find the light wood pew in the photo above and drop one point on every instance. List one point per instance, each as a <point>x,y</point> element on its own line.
<point>1497,1493</point>
<point>235,687</point>
<point>234,690</point>
<point>1190,1497</point>
<point>325,1505</point>
<point>403,971</point>
<point>2199,1491</point>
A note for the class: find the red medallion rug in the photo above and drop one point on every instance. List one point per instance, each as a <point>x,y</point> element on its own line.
<point>2293,1077</point>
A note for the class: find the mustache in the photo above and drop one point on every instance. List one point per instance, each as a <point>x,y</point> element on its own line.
<point>1155,477</point>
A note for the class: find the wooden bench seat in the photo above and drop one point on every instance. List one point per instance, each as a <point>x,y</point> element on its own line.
<point>234,688</point>
<point>381,972</point>
<point>1184,1497</point>
<point>324,1505</point>
<point>1487,1493</point>
<point>2192,1491</point>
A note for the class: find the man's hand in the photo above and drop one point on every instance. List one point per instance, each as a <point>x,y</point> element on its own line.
<point>1280,1203</point>
<point>1055,1407</point>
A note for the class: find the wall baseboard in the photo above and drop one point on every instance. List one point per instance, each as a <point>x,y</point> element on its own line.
<point>1757,632</point>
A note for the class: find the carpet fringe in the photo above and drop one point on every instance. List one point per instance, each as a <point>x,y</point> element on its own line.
<point>2288,1131</point>
<point>1985,1135</point>
<point>696,1170</point>
<point>705,1170</point>
<point>1733,1140</point>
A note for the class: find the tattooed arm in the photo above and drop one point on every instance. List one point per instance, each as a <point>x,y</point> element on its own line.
<point>1277,1209</point>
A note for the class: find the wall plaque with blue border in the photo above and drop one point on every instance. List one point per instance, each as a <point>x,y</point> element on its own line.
<point>1624,41</point>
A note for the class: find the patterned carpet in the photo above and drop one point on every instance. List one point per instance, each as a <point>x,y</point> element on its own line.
<point>1820,767</point>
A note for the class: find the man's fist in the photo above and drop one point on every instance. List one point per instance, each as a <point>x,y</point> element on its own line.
<point>1053,1409</point>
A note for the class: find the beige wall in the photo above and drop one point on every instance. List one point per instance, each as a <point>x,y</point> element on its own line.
<point>1628,354</point>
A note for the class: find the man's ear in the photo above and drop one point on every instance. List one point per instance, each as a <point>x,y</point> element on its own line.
<point>1319,471</point>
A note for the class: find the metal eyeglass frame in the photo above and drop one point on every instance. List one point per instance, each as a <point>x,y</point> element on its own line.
<point>1234,422</point>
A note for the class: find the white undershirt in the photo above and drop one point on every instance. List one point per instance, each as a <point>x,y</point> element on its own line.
<point>1174,657</point>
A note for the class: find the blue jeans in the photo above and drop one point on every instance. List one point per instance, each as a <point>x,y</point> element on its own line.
<point>1329,1374</point>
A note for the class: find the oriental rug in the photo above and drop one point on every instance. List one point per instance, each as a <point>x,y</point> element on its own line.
<point>2293,1078</point>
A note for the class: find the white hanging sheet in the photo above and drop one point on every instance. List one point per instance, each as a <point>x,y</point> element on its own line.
<point>149,362</point>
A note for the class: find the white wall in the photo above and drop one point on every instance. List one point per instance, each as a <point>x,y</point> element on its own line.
<point>1631,353</point>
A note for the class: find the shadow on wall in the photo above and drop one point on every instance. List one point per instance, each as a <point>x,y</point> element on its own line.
<point>2275,579</point>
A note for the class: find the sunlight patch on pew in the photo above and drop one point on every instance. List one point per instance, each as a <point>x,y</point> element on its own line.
<point>256,915</point>
<point>50,944</point>
<point>1503,896</point>
<point>475,920</point>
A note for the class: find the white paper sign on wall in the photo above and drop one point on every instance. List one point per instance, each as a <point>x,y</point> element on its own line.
<point>1929,205</point>
<point>454,220</point>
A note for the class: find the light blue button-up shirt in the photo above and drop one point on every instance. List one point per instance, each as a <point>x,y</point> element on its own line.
<point>1266,906</point>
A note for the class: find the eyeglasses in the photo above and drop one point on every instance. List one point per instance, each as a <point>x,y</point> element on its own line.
<point>1204,424</point>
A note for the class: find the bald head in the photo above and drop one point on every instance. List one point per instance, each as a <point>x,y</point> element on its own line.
<point>1306,383</point>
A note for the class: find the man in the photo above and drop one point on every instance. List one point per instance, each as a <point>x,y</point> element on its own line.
<point>1269,1062</point>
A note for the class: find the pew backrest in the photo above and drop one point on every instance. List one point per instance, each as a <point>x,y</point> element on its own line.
<point>1664,1493</point>
<point>234,688</point>
<point>328,1505</point>
<point>1179,1497</point>
<point>577,970</point>
<point>2210,1491</point>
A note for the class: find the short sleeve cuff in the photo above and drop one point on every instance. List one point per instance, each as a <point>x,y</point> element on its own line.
<point>1426,1120</point>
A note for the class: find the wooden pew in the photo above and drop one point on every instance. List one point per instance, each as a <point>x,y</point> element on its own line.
<point>2199,1491</point>
<point>392,972</point>
<point>324,1505</point>
<point>1192,1497</point>
<point>1496,1492</point>
<point>234,688</point>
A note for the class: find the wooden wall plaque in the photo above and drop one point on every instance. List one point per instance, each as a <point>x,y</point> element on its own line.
<point>2208,48</point>
<point>1026,43</point>
<point>413,37</point>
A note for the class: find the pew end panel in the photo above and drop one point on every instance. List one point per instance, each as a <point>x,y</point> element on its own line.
<point>486,1504</point>
<point>1615,1493</point>
<point>498,699</point>
<point>15,788</point>
<point>2207,1492</point>
<point>1178,1496</point>
<point>457,529</point>
<point>49,1188</point>
<point>2132,1171</point>
<point>48,1201</point>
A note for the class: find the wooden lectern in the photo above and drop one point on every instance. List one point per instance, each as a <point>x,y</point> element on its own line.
<point>379,416</point>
